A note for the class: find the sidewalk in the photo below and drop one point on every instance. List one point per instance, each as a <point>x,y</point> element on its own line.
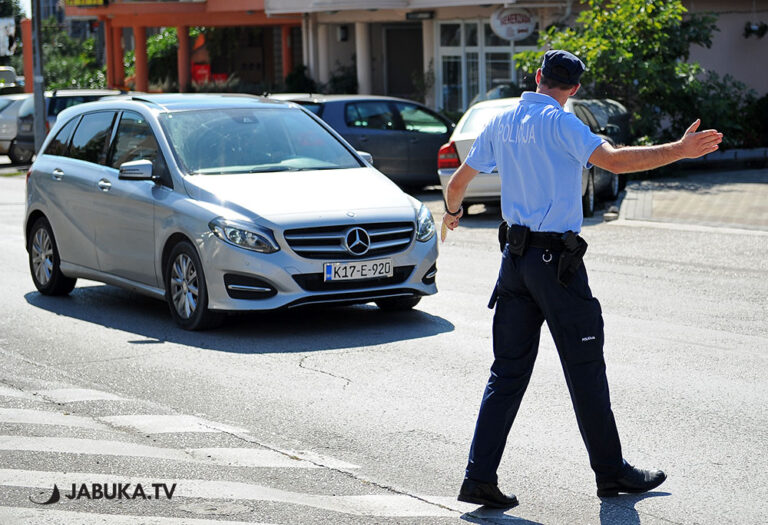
<point>736,199</point>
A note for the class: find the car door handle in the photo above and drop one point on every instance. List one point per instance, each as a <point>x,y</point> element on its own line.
<point>105,185</point>
<point>363,138</point>
<point>57,174</point>
<point>413,141</point>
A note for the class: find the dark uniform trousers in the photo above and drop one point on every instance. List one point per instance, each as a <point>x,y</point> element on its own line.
<point>528,293</point>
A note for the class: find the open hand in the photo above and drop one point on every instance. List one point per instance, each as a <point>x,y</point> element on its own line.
<point>696,144</point>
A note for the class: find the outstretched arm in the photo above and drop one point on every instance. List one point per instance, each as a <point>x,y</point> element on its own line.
<point>640,158</point>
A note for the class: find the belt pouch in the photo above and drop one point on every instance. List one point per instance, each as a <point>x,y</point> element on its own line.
<point>517,238</point>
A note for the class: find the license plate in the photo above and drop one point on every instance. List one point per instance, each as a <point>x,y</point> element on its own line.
<point>26,127</point>
<point>350,271</point>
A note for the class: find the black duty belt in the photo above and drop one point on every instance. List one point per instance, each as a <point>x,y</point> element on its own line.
<point>518,238</point>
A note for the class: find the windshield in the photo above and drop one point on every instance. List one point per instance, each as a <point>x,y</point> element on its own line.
<point>252,140</point>
<point>477,118</point>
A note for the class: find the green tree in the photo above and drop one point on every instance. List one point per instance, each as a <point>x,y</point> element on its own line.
<point>69,63</point>
<point>637,52</point>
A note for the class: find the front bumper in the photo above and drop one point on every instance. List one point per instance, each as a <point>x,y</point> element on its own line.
<point>240,279</point>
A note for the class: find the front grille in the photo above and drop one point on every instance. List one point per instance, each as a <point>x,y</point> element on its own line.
<point>354,297</point>
<point>328,242</point>
<point>313,282</point>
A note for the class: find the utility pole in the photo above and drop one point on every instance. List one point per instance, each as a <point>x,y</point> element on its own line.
<point>39,81</point>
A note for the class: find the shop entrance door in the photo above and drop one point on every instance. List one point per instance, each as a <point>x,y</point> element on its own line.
<point>404,55</point>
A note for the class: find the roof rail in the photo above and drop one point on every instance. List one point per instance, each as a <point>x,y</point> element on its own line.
<point>148,101</point>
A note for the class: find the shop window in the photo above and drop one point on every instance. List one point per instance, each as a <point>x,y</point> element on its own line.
<point>450,35</point>
<point>452,83</point>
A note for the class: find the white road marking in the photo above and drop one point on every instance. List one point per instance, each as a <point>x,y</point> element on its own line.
<point>167,424</point>
<point>48,516</point>
<point>325,461</point>
<point>7,391</point>
<point>41,417</point>
<point>248,457</point>
<point>241,457</point>
<point>381,505</point>
<point>70,395</point>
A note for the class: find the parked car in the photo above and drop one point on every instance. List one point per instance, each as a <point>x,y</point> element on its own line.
<point>486,187</point>
<point>402,136</point>
<point>9,81</point>
<point>9,111</point>
<point>221,203</point>
<point>55,102</point>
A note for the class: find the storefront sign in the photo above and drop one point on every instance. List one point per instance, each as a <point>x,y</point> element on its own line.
<point>85,3</point>
<point>420,15</point>
<point>512,24</point>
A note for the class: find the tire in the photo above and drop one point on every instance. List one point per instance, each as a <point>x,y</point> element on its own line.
<point>186,291</point>
<point>588,199</point>
<point>44,262</point>
<point>614,187</point>
<point>398,304</point>
<point>19,155</point>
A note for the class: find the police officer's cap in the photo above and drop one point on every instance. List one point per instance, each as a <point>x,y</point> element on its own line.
<point>562,66</point>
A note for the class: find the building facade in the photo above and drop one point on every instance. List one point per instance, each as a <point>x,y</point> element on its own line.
<point>447,52</point>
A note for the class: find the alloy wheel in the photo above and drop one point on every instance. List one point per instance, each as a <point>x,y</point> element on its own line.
<point>184,286</point>
<point>42,256</point>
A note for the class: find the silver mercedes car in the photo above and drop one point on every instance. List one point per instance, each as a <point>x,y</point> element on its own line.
<point>220,203</point>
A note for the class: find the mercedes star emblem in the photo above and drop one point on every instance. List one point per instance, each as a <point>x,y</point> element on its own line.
<point>357,241</point>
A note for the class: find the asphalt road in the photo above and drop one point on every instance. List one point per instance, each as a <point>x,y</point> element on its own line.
<point>354,415</point>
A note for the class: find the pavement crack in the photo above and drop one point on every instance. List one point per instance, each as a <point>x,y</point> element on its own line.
<point>305,367</point>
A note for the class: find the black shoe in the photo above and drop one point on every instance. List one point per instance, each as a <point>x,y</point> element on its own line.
<point>487,494</point>
<point>632,481</point>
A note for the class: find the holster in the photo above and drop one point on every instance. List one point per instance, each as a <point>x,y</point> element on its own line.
<point>517,239</point>
<point>571,258</point>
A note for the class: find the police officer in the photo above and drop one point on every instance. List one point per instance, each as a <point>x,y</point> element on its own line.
<point>539,150</point>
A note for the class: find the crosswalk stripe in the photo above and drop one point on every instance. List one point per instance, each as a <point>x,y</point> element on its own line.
<point>241,457</point>
<point>70,395</point>
<point>380,505</point>
<point>41,417</point>
<point>167,424</point>
<point>7,391</point>
<point>32,516</point>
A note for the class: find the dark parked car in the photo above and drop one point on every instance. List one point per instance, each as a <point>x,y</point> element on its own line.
<point>55,103</point>
<point>402,136</point>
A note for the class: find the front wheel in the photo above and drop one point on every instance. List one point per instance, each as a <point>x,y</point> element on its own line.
<point>185,290</point>
<point>588,199</point>
<point>44,261</point>
<point>394,304</point>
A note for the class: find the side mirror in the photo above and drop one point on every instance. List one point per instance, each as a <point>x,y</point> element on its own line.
<point>611,129</point>
<point>136,170</point>
<point>367,157</point>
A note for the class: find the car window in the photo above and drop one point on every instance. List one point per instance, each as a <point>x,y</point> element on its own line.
<point>90,138</point>
<point>58,146</point>
<point>135,140</point>
<point>371,115</point>
<point>314,107</point>
<point>5,102</point>
<point>418,119</point>
<point>27,108</point>
<point>59,104</point>
<point>252,140</point>
<point>586,117</point>
<point>476,119</point>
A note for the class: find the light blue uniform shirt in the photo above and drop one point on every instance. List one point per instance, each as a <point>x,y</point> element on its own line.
<point>539,150</point>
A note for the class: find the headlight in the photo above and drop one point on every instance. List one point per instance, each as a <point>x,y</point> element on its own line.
<point>425,225</point>
<point>248,237</point>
